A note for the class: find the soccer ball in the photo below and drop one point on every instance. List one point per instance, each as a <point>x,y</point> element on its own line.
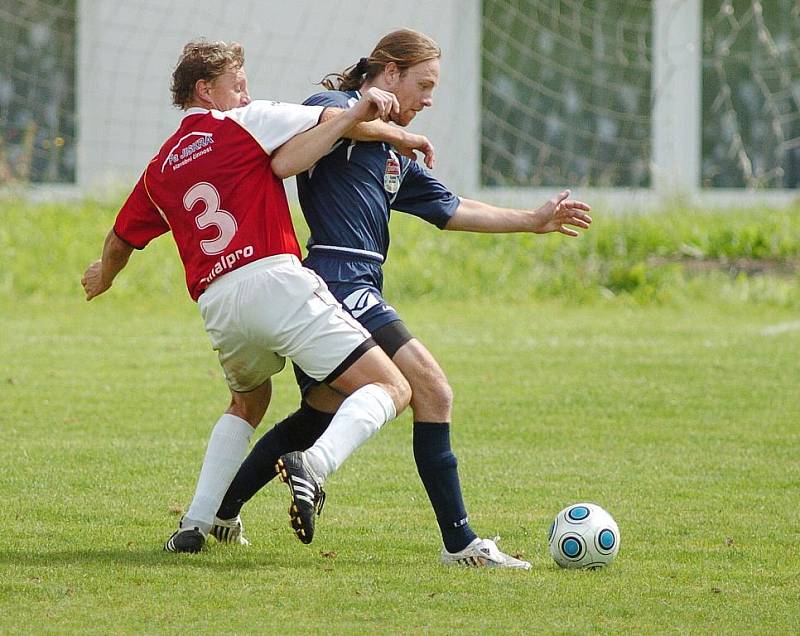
<point>583,536</point>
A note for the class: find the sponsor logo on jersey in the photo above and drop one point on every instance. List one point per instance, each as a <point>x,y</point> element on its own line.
<point>360,301</point>
<point>391,174</point>
<point>226,263</point>
<point>181,154</point>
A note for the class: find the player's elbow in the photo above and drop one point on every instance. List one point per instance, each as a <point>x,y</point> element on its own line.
<point>280,170</point>
<point>278,165</point>
<point>283,166</point>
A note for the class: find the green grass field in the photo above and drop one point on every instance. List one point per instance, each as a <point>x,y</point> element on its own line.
<point>673,402</point>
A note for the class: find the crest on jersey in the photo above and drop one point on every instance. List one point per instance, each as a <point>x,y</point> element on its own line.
<point>186,151</point>
<point>360,301</point>
<point>391,175</point>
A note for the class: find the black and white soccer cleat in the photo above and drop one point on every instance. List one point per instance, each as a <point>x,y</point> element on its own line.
<point>185,540</point>
<point>229,531</point>
<point>307,495</point>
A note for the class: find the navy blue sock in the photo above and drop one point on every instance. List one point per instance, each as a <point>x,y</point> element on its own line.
<point>438,469</point>
<point>299,431</point>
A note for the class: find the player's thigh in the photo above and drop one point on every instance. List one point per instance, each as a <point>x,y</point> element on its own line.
<point>323,398</point>
<point>432,397</point>
<point>373,366</point>
<point>365,363</point>
<point>390,336</point>
<point>317,394</point>
<point>418,365</point>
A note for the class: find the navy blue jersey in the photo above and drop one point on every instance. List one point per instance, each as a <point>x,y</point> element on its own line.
<point>347,197</point>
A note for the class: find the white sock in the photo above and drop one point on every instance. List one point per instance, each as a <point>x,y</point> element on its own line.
<point>359,417</point>
<point>227,447</point>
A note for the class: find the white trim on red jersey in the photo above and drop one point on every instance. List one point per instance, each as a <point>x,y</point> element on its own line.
<point>271,124</point>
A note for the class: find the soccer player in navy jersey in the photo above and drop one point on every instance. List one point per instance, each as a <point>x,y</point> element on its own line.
<point>215,184</point>
<point>346,199</point>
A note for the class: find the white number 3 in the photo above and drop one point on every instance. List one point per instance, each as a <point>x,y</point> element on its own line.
<point>211,215</point>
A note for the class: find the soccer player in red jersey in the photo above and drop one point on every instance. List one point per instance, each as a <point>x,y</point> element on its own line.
<point>216,185</point>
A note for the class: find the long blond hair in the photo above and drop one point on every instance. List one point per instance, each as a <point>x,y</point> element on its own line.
<point>404,47</point>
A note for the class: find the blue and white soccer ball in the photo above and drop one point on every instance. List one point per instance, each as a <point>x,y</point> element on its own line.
<point>583,535</point>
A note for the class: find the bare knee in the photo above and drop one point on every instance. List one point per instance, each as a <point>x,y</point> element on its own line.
<point>432,400</point>
<point>252,416</point>
<point>252,405</point>
<point>398,389</point>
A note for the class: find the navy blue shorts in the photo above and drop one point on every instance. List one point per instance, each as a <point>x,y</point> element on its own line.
<point>365,303</point>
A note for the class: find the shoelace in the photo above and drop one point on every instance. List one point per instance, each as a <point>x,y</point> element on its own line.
<point>320,502</point>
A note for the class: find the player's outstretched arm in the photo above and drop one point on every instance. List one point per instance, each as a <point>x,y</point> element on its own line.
<point>554,216</point>
<point>100,275</point>
<point>304,150</point>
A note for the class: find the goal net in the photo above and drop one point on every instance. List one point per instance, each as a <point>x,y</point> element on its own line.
<point>751,94</point>
<point>37,91</point>
<point>568,93</point>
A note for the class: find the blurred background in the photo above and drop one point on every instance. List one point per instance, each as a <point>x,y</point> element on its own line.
<point>633,102</point>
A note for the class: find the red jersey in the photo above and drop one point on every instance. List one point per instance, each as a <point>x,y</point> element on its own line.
<point>212,185</point>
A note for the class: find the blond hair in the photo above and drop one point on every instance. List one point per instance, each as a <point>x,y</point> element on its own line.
<point>203,60</point>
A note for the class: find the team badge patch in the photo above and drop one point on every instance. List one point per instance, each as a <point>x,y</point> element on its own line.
<point>391,175</point>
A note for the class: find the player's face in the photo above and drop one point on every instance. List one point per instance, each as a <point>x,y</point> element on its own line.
<point>229,90</point>
<point>414,90</point>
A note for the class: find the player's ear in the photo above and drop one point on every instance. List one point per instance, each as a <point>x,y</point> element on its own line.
<point>202,89</point>
<point>391,73</point>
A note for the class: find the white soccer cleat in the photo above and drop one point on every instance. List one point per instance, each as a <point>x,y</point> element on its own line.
<point>229,531</point>
<point>483,553</point>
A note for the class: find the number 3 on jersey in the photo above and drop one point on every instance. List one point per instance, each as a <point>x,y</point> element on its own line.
<point>211,215</point>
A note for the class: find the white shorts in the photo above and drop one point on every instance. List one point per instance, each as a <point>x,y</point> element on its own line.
<point>272,309</point>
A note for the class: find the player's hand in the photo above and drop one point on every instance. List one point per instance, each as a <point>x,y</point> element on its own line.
<point>559,212</point>
<point>92,281</point>
<point>417,143</point>
<point>375,104</point>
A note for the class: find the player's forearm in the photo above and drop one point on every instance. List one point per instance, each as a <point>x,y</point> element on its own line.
<point>378,130</point>
<point>304,150</point>
<point>476,216</point>
<point>116,253</point>
<point>101,274</point>
<point>375,130</point>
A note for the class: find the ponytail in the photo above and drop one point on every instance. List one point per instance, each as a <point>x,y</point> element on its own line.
<point>352,77</point>
<point>404,47</point>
